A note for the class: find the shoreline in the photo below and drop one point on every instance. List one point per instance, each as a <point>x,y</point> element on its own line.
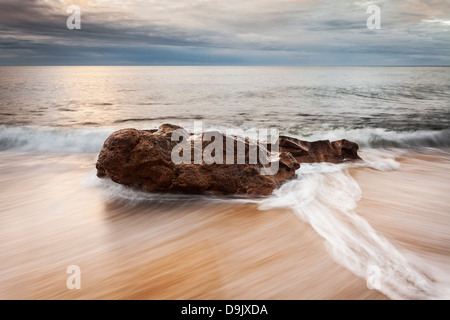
<point>52,218</point>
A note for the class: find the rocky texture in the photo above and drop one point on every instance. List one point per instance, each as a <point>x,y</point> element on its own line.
<point>142,159</point>
<point>319,151</point>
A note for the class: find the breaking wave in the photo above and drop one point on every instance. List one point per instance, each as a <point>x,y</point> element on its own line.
<point>382,138</point>
<point>51,139</point>
<point>90,140</point>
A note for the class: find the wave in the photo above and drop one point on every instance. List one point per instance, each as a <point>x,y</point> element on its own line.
<point>326,196</point>
<point>382,138</point>
<point>367,137</point>
<point>90,140</point>
<point>194,117</point>
<point>50,139</point>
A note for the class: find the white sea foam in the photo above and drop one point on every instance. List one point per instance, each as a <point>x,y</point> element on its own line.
<point>112,191</point>
<point>326,197</point>
<point>90,140</point>
<point>382,138</point>
<point>51,139</point>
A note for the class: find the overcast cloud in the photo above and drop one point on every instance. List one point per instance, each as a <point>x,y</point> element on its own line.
<point>218,32</point>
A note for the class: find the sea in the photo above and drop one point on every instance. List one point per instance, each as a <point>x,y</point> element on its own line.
<point>384,223</point>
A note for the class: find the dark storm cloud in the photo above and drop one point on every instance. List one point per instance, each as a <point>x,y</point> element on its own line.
<point>38,21</point>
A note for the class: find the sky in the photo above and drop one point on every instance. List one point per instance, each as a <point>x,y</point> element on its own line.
<point>225,32</point>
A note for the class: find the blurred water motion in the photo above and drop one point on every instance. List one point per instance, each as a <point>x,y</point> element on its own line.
<point>317,237</point>
<point>55,213</point>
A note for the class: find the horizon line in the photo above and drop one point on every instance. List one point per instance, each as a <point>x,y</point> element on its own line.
<point>219,65</point>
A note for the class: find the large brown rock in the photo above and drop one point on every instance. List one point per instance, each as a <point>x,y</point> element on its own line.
<point>142,159</point>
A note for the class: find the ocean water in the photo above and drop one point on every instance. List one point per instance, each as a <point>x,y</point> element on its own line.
<point>374,106</point>
<point>59,117</point>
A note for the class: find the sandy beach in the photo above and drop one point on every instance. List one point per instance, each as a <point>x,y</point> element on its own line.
<point>329,179</point>
<point>55,215</point>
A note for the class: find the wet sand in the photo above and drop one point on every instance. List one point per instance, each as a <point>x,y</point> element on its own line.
<point>410,207</point>
<point>52,217</point>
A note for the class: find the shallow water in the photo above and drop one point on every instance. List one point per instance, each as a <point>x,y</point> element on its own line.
<point>410,187</point>
<point>128,244</point>
<point>321,236</point>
